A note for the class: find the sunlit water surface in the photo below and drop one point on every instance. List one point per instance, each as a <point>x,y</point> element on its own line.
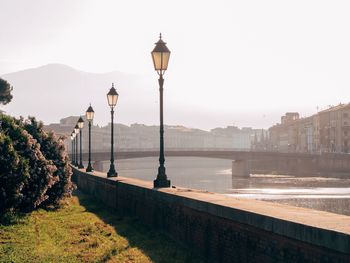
<point>214,175</point>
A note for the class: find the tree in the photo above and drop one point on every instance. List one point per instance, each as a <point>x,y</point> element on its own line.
<point>5,92</point>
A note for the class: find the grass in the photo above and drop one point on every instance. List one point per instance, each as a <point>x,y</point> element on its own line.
<point>85,231</point>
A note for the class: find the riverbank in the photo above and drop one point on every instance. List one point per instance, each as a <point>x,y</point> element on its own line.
<point>83,230</point>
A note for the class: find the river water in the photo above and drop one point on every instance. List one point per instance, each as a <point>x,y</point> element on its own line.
<point>214,175</point>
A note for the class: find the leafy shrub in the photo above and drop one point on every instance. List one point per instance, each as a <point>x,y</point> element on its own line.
<point>14,172</point>
<point>53,148</point>
<point>42,176</point>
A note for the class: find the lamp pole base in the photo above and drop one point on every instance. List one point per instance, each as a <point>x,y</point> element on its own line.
<point>161,181</point>
<point>112,172</point>
<point>80,166</point>
<point>89,168</point>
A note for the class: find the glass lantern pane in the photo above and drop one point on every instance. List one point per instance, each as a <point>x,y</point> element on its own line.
<point>157,60</point>
<point>115,99</point>
<point>160,60</point>
<point>89,115</point>
<point>165,60</point>
<point>112,100</point>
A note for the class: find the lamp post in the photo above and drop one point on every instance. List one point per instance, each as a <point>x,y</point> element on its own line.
<point>75,148</point>
<point>89,116</point>
<point>112,98</point>
<point>72,139</point>
<point>76,132</point>
<point>81,125</point>
<point>160,56</point>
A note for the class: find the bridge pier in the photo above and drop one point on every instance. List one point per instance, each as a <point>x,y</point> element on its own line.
<point>240,168</point>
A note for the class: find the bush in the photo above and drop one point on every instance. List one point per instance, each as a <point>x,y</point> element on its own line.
<point>14,172</point>
<point>45,174</point>
<point>53,148</point>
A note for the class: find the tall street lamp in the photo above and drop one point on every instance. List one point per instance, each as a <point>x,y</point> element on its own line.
<point>76,132</point>
<point>160,56</point>
<point>89,116</point>
<point>81,125</point>
<point>112,98</point>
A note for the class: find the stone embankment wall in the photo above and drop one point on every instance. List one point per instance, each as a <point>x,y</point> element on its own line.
<point>330,165</point>
<point>225,229</point>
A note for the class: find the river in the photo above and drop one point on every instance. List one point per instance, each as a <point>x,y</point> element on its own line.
<point>214,175</point>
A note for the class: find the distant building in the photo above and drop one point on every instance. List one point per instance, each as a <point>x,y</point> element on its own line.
<point>334,129</point>
<point>260,141</point>
<point>284,136</point>
<point>289,117</point>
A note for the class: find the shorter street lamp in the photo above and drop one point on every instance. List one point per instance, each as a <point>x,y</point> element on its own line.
<point>76,131</point>
<point>72,139</point>
<point>89,116</point>
<point>112,98</point>
<point>75,148</point>
<point>80,126</point>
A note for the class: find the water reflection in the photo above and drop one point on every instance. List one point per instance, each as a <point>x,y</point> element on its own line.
<point>328,194</point>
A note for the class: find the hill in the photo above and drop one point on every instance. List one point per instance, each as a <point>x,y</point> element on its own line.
<point>53,91</point>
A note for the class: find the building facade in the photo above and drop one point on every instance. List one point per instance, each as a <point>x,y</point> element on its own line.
<point>326,131</point>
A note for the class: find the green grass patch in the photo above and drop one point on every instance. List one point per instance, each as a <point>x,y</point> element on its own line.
<point>83,230</point>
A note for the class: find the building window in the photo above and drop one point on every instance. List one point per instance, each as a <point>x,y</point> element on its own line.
<point>345,115</point>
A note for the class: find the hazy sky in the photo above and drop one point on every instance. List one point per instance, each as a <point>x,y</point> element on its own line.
<point>245,58</point>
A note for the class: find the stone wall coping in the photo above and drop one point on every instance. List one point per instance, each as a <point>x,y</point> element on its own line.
<point>312,226</point>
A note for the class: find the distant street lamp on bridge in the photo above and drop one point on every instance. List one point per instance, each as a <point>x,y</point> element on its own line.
<point>76,132</point>
<point>89,116</point>
<point>112,98</point>
<point>160,56</point>
<point>80,126</point>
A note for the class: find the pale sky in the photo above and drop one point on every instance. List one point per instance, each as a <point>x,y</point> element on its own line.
<point>251,60</point>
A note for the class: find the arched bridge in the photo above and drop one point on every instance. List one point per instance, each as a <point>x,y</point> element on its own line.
<point>246,162</point>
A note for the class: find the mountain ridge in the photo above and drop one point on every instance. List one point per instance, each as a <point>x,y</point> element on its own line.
<point>62,90</point>
<point>64,66</point>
